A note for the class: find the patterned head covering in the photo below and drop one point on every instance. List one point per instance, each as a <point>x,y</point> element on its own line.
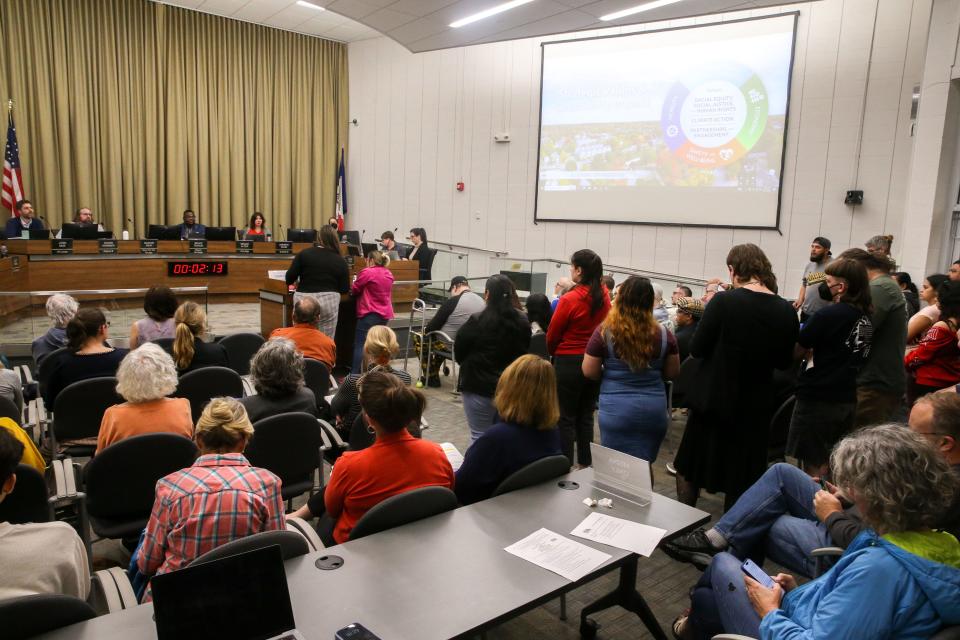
<point>693,306</point>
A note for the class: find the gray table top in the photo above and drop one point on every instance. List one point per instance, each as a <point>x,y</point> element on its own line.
<point>442,577</point>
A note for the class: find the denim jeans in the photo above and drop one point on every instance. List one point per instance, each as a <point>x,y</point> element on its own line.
<point>363,326</point>
<point>480,412</point>
<point>775,515</point>
<point>719,603</point>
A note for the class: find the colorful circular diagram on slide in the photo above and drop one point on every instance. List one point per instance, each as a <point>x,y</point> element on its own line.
<point>716,115</point>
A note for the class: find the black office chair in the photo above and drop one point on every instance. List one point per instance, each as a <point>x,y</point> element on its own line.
<point>288,445</point>
<point>404,508</point>
<point>9,410</point>
<point>30,501</point>
<point>779,429</point>
<point>29,616</point>
<point>536,472</point>
<point>200,385</point>
<point>316,377</point>
<point>121,481</point>
<point>292,545</point>
<point>538,346</point>
<point>48,363</point>
<point>78,411</point>
<point>240,349</point>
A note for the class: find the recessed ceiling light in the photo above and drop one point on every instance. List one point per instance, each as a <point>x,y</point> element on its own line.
<point>656,4</point>
<point>309,5</point>
<point>492,11</point>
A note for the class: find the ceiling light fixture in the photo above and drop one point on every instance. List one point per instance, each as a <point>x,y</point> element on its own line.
<point>310,5</point>
<point>656,4</point>
<point>492,11</point>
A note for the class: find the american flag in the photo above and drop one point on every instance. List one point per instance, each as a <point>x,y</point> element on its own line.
<point>341,193</point>
<point>12,181</point>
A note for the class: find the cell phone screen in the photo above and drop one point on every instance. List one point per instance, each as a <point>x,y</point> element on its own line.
<point>751,568</point>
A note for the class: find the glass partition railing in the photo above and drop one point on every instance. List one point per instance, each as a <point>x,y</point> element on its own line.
<point>448,264</point>
<point>23,314</point>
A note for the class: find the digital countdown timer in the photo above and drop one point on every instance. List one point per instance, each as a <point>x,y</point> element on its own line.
<point>177,269</point>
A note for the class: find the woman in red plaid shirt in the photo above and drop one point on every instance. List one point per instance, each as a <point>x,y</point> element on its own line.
<point>218,499</point>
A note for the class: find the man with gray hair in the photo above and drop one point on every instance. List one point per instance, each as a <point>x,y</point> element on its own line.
<point>309,340</point>
<point>60,308</point>
<point>563,285</point>
<point>789,514</point>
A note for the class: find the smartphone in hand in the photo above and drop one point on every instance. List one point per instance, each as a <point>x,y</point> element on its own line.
<point>750,568</point>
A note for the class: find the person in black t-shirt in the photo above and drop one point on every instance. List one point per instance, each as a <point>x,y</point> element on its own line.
<point>322,273</point>
<point>836,340</point>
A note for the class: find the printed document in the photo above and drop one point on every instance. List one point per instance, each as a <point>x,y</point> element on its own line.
<point>619,533</point>
<point>453,454</point>
<point>556,553</point>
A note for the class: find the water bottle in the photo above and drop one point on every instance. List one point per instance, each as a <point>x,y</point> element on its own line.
<point>269,236</point>
<point>125,235</point>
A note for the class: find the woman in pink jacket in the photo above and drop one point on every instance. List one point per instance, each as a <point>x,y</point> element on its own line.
<point>373,289</point>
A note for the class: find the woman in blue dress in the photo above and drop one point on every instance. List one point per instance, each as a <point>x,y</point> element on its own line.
<point>632,354</point>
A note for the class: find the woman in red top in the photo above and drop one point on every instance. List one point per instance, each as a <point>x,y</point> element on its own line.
<point>935,363</point>
<point>258,226</point>
<point>578,313</point>
<point>397,462</point>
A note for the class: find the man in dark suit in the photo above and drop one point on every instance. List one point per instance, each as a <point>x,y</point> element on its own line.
<point>190,228</point>
<point>25,222</point>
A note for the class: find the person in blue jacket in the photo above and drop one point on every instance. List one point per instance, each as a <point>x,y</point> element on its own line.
<point>898,579</point>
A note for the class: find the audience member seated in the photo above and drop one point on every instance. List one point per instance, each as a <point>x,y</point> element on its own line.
<point>160,305</point>
<point>689,312</point>
<point>25,220</point>
<point>60,308</point>
<point>31,455</point>
<point>11,387</point>
<point>379,349</point>
<point>900,579</point>
<point>526,403</point>
<point>257,230</point>
<point>935,363</point>
<point>188,348</point>
<point>145,378</point>
<point>276,371</point>
<point>631,354</point>
<point>922,320</point>
<point>835,341</point>
<point>190,229</point>
<point>218,499</point>
<point>451,315</point>
<point>88,356</point>
<point>539,313</point>
<point>38,558</point>
<point>305,334</point>
<point>395,463</point>
<point>486,345</point>
<point>787,514</point>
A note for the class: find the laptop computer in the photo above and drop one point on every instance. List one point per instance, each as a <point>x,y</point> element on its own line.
<point>241,597</point>
<point>621,475</point>
<point>36,234</point>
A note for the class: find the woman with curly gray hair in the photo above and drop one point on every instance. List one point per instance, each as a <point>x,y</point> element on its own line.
<point>145,378</point>
<point>276,371</point>
<point>898,579</point>
<point>60,308</point>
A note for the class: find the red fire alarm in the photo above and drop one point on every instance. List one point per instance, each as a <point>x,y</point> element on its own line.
<point>460,186</point>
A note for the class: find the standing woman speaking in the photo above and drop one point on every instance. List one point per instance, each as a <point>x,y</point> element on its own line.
<point>744,335</point>
<point>578,314</point>
<point>322,273</point>
<point>373,289</point>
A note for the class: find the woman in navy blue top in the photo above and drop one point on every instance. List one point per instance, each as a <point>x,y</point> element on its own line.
<point>526,429</point>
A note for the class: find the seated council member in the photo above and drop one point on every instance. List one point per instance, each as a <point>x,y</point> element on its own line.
<point>25,220</point>
<point>397,462</point>
<point>83,215</point>
<point>304,333</point>
<point>190,228</point>
<point>276,371</point>
<point>37,558</point>
<point>526,402</point>
<point>322,273</point>
<point>60,309</point>
<point>220,498</point>
<point>257,229</point>
<point>160,304</point>
<point>899,579</point>
<point>145,378</point>
<point>452,314</point>
<point>188,348</point>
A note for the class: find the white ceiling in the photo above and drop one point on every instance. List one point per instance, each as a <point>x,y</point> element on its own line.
<point>423,25</point>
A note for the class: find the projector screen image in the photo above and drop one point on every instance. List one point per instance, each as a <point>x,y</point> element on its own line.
<point>682,126</point>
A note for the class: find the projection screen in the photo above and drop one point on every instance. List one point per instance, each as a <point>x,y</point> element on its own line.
<point>681,126</point>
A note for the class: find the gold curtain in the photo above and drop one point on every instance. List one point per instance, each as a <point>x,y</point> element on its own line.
<point>141,110</point>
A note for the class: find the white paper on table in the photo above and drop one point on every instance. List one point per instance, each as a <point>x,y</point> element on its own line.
<point>277,274</point>
<point>553,552</point>
<point>619,533</point>
<point>453,454</point>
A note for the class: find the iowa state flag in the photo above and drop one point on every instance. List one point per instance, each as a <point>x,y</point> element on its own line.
<point>341,193</point>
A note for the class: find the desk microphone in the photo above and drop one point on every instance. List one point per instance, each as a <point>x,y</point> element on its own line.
<point>362,233</point>
<point>280,228</point>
